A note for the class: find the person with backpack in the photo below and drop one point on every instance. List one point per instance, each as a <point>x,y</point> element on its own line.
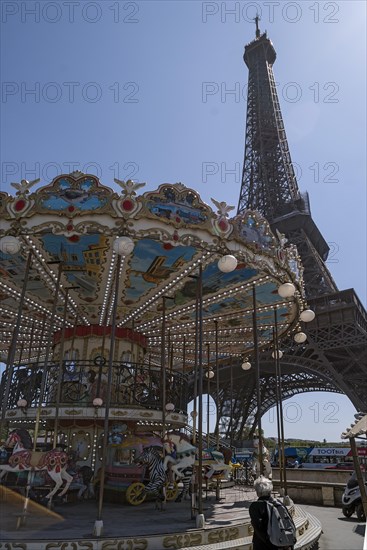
<point>273,526</point>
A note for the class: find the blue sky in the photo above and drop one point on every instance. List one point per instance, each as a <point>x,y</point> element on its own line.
<point>143,90</point>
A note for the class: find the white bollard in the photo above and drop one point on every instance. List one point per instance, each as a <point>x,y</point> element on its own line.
<point>200,521</point>
<point>98,528</point>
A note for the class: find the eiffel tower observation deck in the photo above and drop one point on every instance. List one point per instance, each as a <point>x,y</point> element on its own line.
<point>334,358</point>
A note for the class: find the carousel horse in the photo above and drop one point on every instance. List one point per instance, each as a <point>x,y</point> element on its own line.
<point>180,453</point>
<point>151,457</point>
<point>23,459</point>
<point>267,471</point>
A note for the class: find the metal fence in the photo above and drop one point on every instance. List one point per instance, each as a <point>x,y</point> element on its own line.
<point>82,381</point>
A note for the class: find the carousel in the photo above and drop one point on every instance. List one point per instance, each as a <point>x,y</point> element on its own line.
<point>118,308</point>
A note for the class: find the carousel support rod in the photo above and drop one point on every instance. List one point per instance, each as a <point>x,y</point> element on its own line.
<point>169,348</point>
<point>132,340</point>
<point>207,402</point>
<point>31,341</point>
<point>217,380</point>
<point>21,350</point>
<point>231,409</point>
<point>279,377</point>
<point>163,367</point>
<point>100,367</point>
<point>14,340</point>
<point>61,362</point>
<point>196,366</point>
<point>257,371</point>
<point>41,338</point>
<point>200,518</point>
<point>184,354</point>
<point>280,461</point>
<point>98,526</point>
<point>49,340</point>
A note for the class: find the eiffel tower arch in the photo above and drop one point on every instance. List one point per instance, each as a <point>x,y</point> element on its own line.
<point>334,358</point>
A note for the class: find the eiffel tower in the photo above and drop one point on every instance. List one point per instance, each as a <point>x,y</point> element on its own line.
<point>334,358</point>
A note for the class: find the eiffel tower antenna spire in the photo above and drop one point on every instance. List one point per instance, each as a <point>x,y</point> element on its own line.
<point>257,19</point>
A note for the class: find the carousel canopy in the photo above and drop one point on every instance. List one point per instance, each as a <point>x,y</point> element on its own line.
<point>73,229</point>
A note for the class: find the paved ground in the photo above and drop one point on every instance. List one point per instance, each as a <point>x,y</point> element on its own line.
<point>339,533</point>
<point>77,519</point>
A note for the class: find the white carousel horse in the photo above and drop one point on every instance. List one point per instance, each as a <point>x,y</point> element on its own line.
<point>23,459</point>
<point>215,465</point>
<point>180,453</point>
<point>267,471</point>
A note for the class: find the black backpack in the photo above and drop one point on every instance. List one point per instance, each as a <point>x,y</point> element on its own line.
<point>281,529</point>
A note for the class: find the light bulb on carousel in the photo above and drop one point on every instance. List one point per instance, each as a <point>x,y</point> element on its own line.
<point>277,355</point>
<point>170,407</point>
<point>22,404</point>
<point>286,290</point>
<point>307,315</point>
<point>9,245</point>
<point>300,337</point>
<point>209,374</point>
<point>227,263</point>
<point>97,402</point>
<point>246,365</point>
<point>123,246</point>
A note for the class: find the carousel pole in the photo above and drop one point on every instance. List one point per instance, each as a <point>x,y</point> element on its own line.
<point>200,520</point>
<point>217,373</point>
<point>47,355</point>
<point>194,479</point>
<point>98,525</point>
<point>280,457</point>
<point>184,354</point>
<point>231,409</point>
<point>31,341</point>
<point>61,361</point>
<point>257,367</point>
<point>207,402</point>
<point>163,367</point>
<point>279,377</point>
<point>38,357</point>
<point>101,363</point>
<point>194,413</point>
<point>14,340</point>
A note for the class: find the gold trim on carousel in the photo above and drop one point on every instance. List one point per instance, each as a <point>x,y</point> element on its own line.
<point>73,412</point>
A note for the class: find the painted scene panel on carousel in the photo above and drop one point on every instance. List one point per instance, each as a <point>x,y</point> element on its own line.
<point>13,268</point>
<point>153,262</point>
<point>180,207</point>
<point>69,194</point>
<point>82,260</point>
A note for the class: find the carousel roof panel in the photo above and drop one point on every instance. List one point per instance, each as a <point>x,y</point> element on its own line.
<point>71,226</point>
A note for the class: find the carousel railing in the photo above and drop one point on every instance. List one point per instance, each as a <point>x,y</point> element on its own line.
<point>133,384</point>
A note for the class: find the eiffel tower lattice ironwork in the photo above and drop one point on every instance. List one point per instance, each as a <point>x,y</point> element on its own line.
<point>334,358</point>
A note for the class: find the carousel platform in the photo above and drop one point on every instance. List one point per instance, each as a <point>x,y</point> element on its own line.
<point>70,526</point>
